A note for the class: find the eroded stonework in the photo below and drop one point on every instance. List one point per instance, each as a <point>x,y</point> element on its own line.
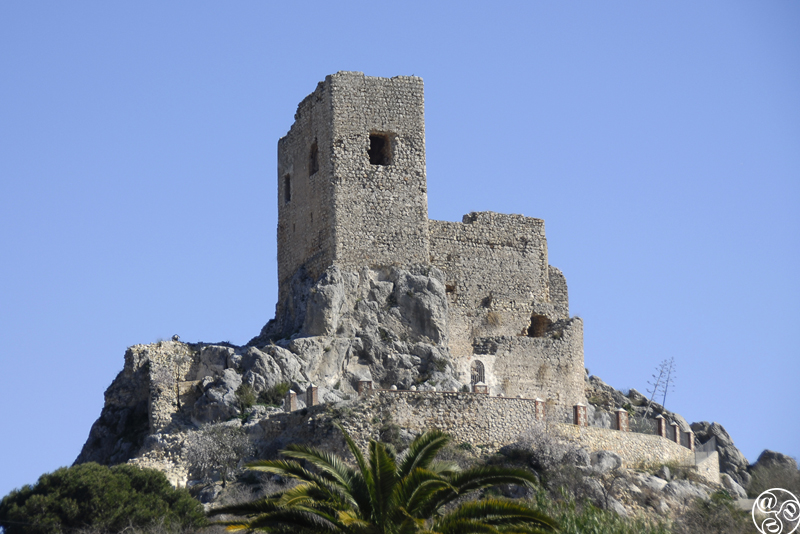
<point>352,194</point>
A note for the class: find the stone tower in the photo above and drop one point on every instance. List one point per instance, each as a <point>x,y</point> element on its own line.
<point>352,194</point>
<point>351,178</point>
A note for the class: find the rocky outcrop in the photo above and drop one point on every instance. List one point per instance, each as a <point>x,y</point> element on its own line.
<point>731,460</point>
<point>604,399</point>
<point>385,325</point>
<point>123,425</point>
<point>771,459</point>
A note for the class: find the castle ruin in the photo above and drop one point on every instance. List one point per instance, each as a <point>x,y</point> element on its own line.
<point>352,193</point>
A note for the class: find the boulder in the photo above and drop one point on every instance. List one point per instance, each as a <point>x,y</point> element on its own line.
<point>731,460</point>
<point>685,491</point>
<point>770,458</point>
<point>605,461</point>
<point>218,402</point>
<point>664,472</point>
<point>213,361</point>
<point>736,491</point>
<point>652,482</point>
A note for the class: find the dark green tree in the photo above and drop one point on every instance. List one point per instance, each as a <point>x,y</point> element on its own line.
<point>100,498</point>
<point>385,494</point>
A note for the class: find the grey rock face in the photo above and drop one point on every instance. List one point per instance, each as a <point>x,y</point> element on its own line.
<point>685,491</point>
<point>579,458</point>
<point>664,472</point>
<point>218,402</point>
<point>652,482</point>
<point>123,425</point>
<point>731,460</point>
<point>770,458</point>
<point>388,325</point>
<point>604,461</point>
<point>213,361</point>
<point>736,491</point>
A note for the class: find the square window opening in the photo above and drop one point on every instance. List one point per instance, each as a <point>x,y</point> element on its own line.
<point>380,149</point>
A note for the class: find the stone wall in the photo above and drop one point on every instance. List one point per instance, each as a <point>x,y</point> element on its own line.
<point>381,209</point>
<point>335,205</point>
<point>707,465</point>
<point>550,367</point>
<point>492,422</point>
<point>496,271</point>
<point>305,199</point>
<point>169,365</point>
<point>633,448</point>
<point>468,417</point>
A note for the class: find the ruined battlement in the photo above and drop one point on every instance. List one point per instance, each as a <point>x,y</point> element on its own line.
<point>352,194</point>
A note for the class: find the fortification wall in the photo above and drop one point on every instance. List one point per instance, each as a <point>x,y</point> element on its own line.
<point>632,447</point>
<point>493,422</point>
<point>559,296</point>
<point>550,367</point>
<point>305,192</point>
<point>497,275</point>
<point>170,364</point>
<point>380,199</point>
<point>468,417</point>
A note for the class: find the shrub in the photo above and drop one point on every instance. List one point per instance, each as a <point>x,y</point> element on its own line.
<point>588,519</point>
<point>773,476</point>
<point>718,515</point>
<point>217,449</point>
<point>494,318</point>
<point>246,396</point>
<point>274,395</point>
<point>100,498</point>
<point>541,448</point>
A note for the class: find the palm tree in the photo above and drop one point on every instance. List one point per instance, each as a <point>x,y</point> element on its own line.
<point>385,494</point>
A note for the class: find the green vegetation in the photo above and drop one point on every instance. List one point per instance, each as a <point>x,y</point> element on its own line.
<point>274,395</point>
<point>101,499</point>
<point>773,476</point>
<point>246,396</point>
<point>717,515</point>
<point>217,449</point>
<point>387,494</point>
<point>588,519</point>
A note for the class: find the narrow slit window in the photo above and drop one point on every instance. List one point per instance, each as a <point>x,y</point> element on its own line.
<point>380,149</point>
<point>313,159</point>
<point>287,188</point>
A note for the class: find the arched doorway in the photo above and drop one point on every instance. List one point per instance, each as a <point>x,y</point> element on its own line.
<point>478,373</point>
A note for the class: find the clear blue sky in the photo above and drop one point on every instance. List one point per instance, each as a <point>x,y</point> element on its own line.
<point>660,142</point>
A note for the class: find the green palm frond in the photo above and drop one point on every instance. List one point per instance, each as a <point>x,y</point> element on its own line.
<point>362,482</point>
<point>331,465</point>
<point>384,494</point>
<point>259,506</point>
<point>500,513</point>
<point>330,497</point>
<point>422,451</point>
<point>415,490</point>
<point>288,468</point>
<point>484,476</point>
<point>384,478</point>
<point>298,518</point>
<point>444,467</point>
